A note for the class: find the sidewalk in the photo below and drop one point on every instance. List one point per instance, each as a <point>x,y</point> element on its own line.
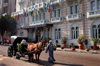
<point>80,51</point>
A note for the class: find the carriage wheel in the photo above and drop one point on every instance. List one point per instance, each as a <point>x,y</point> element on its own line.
<point>17,56</point>
<point>9,52</point>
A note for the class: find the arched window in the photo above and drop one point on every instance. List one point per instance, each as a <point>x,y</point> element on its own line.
<point>96,30</point>
<point>57,32</point>
<point>74,31</point>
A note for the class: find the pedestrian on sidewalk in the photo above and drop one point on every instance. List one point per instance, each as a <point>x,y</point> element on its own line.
<point>50,48</point>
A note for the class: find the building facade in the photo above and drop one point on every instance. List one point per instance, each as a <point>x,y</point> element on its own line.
<point>7,6</point>
<point>69,19</point>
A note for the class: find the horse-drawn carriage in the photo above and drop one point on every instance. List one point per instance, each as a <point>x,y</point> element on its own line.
<point>27,49</point>
<point>13,48</point>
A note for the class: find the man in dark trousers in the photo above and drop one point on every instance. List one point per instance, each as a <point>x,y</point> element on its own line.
<point>50,48</point>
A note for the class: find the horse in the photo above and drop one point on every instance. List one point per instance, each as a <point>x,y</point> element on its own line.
<point>36,49</point>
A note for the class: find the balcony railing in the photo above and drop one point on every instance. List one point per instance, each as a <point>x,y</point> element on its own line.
<point>21,25</point>
<point>57,20</point>
<point>42,5</point>
<point>5,4</point>
<point>56,2</point>
<point>36,6</point>
<point>74,17</point>
<point>40,22</point>
<point>93,14</point>
<point>16,13</point>
<point>20,1</point>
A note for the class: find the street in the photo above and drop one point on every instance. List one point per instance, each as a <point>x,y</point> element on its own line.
<point>63,58</point>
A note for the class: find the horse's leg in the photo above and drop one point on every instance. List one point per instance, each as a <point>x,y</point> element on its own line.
<point>36,58</point>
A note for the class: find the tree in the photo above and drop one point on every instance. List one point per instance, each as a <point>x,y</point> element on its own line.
<point>7,24</point>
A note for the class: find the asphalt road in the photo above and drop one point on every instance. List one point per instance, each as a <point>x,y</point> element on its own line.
<point>63,58</point>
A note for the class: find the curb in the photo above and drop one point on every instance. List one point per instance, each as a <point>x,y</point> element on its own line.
<point>80,51</point>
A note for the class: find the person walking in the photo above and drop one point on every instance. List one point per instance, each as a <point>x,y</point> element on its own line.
<point>50,48</point>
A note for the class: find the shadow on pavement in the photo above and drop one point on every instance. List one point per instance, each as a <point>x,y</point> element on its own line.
<point>2,65</point>
<point>46,63</point>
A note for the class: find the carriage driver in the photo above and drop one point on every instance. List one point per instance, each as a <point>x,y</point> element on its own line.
<point>22,47</point>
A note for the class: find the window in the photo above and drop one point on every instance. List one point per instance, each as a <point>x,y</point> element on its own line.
<point>98,1</point>
<point>44,16</point>
<point>32,17</point>
<point>48,33</point>
<point>5,10</point>
<point>57,32</point>
<point>92,5</point>
<point>33,2</point>
<point>96,31</point>
<point>74,31</point>
<point>39,16</point>
<point>58,12</point>
<point>30,34</point>
<point>36,17</point>
<point>76,8</point>
<point>71,9</point>
<point>21,33</point>
<point>6,1</point>
<point>54,13</point>
<point>44,34</point>
<point>0,2</point>
<point>21,6</point>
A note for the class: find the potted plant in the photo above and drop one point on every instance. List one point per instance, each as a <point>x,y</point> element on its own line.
<point>54,48</point>
<point>80,41</point>
<point>95,42</point>
<point>64,40</point>
<point>56,43</point>
<point>62,47</point>
<point>72,46</point>
<point>86,43</point>
<point>99,43</point>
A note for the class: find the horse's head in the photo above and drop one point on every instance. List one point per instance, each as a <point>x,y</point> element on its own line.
<point>42,45</point>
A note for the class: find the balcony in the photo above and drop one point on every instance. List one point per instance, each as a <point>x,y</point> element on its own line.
<point>20,1</point>
<point>57,20</point>
<point>57,2</point>
<point>21,25</point>
<point>5,4</point>
<point>42,5</point>
<point>74,17</point>
<point>36,6</point>
<point>93,14</point>
<point>16,13</point>
<point>40,22</point>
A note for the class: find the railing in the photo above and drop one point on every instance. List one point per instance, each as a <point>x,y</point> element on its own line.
<point>5,4</point>
<point>56,2</point>
<point>36,6</point>
<point>57,20</point>
<point>20,1</point>
<point>42,5</point>
<point>93,14</point>
<point>39,22</point>
<point>21,25</point>
<point>74,17</point>
<point>16,13</point>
